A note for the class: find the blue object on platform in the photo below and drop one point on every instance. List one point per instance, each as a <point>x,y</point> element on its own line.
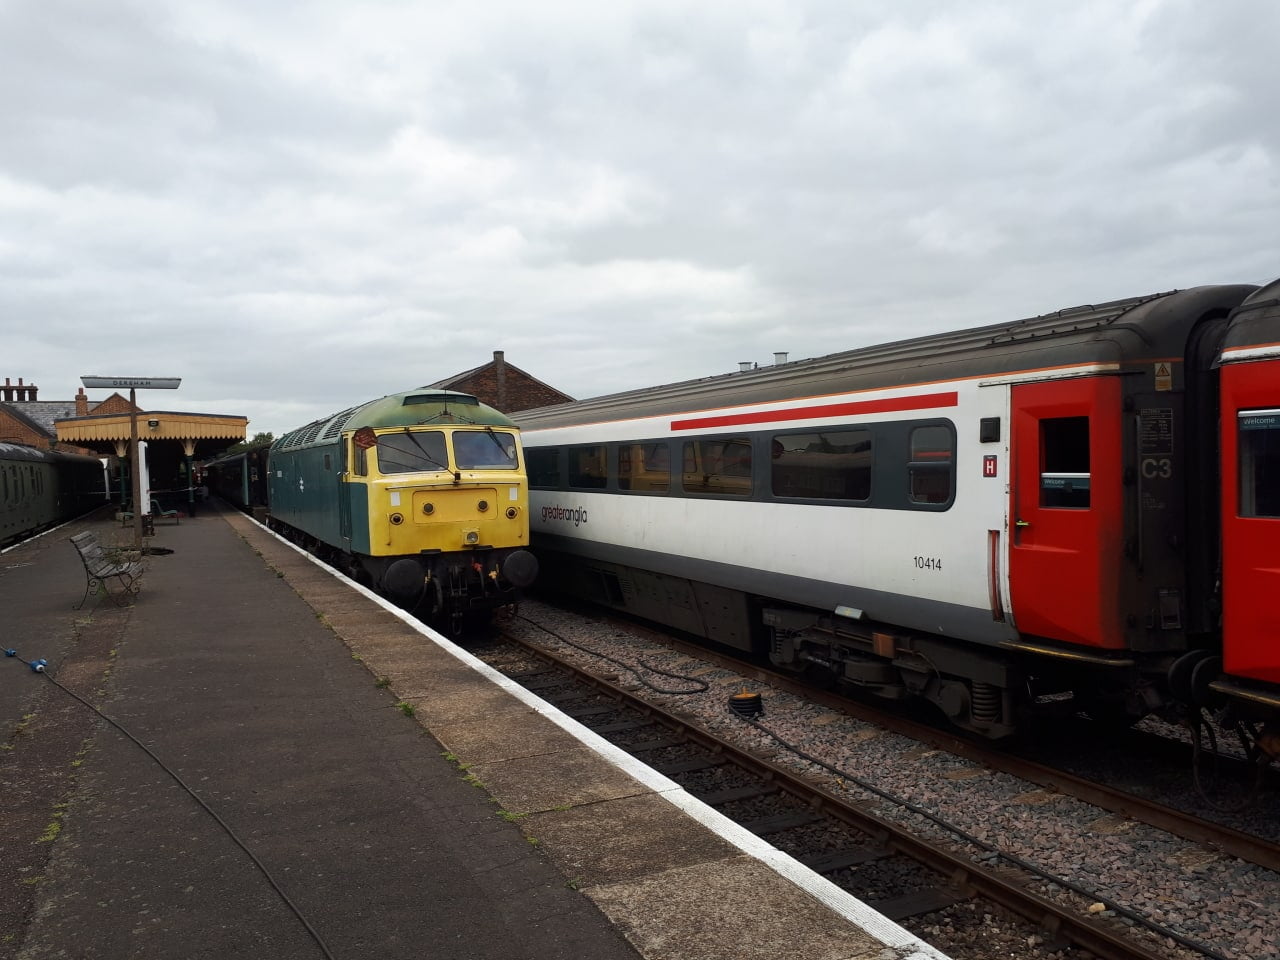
<point>37,666</point>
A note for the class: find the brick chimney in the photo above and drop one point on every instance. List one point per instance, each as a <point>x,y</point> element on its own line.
<point>21,393</point>
<point>500,368</point>
<point>82,403</point>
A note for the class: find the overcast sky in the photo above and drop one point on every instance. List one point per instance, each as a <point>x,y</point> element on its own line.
<point>296,207</point>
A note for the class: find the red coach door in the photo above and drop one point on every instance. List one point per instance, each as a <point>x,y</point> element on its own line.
<point>1067,510</point>
<point>1251,519</point>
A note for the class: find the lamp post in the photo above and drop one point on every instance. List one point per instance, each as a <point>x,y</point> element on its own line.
<point>134,384</point>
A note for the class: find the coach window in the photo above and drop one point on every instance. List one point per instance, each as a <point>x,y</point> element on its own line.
<point>360,461</point>
<point>644,466</point>
<point>828,465</point>
<point>1259,463</point>
<point>587,467</point>
<point>1064,474</point>
<point>719,465</point>
<point>932,451</point>
<point>544,467</point>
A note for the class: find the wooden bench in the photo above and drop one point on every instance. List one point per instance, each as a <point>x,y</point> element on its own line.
<point>100,568</point>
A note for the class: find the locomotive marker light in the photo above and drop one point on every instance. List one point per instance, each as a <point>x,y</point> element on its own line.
<point>134,384</point>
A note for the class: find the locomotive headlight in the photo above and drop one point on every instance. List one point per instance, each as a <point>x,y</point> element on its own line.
<point>397,519</point>
<point>471,537</point>
<point>428,508</point>
<point>512,513</point>
<point>482,506</point>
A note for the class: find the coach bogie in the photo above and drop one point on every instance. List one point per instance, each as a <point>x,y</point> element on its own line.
<point>974,690</point>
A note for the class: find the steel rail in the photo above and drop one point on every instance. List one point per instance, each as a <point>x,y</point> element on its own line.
<point>1228,840</point>
<point>1060,920</point>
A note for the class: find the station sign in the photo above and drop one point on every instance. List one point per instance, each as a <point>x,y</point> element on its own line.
<point>133,383</point>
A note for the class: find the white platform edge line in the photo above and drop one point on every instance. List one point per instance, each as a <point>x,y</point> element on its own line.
<point>841,902</point>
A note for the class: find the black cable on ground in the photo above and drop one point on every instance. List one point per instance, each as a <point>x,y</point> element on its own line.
<point>40,666</point>
<point>700,686</point>
<point>1199,721</point>
<point>951,828</point>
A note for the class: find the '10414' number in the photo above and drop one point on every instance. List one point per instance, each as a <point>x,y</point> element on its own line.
<point>928,563</point>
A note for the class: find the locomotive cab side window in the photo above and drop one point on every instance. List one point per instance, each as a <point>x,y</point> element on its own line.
<point>1064,458</point>
<point>828,465</point>
<point>1259,462</point>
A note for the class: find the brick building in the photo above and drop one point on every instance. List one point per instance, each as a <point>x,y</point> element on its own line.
<point>504,386</point>
<point>24,418</point>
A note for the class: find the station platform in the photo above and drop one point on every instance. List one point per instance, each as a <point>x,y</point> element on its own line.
<point>324,776</point>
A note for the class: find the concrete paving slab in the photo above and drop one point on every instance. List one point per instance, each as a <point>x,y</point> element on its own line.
<point>712,911</point>
<point>482,741</point>
<point>640,836</point>
<point>566,779</point>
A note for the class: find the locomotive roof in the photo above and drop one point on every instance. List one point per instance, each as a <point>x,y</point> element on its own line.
<point>419,407</point>
<point>1129,331</point>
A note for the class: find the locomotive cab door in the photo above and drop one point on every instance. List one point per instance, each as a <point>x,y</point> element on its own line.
<point>344,494</point>
<point>1067,511</point>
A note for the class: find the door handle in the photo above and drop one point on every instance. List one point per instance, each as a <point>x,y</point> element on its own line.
<point>1022,523</point>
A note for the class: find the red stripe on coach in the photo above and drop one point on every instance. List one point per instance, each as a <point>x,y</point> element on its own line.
<point>855,407</point>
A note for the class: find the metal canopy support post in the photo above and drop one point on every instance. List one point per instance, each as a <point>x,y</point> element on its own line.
<point>135,474</point>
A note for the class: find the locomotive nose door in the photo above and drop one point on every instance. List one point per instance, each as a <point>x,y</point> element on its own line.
<point>1067,509</point>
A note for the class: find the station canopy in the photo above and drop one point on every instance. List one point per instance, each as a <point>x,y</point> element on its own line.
<point>200,435</point>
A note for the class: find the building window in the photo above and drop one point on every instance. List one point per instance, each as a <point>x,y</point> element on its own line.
<point>644,466</point>
<point>1064,470</point>
<point>1259,463</point>
<point>719,465</point>
<point>829,465</point>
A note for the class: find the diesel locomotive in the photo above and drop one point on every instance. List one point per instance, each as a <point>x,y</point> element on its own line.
<point>1076,508</point>
<point>40,488</point>
<point>421,495</point>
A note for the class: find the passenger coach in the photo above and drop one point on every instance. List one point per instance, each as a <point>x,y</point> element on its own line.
<point>986,519</point>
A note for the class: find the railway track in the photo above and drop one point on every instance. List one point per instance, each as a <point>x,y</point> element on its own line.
<point>1109,797</point>
<point>901,874</point>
